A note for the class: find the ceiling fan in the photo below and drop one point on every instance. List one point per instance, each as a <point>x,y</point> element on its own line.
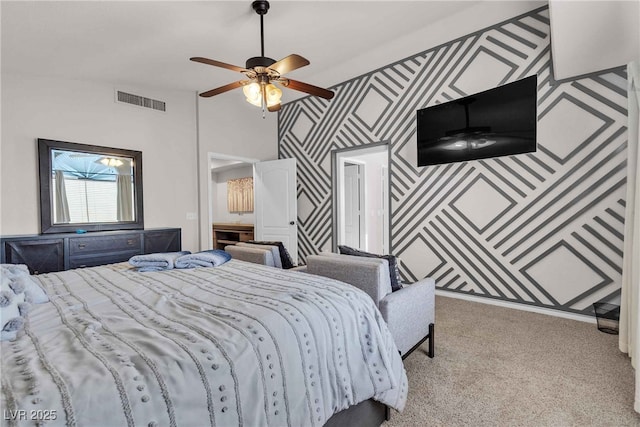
<point>262,72</point>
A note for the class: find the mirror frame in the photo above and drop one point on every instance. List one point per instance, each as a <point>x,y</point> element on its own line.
<point>45,146</point>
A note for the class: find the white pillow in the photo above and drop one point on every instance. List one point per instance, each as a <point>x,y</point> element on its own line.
<point>20,273</point>
<point>14,269</point>
<point>32,290</point>
<point>12,308</point>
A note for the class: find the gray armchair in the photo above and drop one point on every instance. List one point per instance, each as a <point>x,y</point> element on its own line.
<point>408,312</point>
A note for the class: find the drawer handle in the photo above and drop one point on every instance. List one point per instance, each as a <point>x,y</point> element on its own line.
<point>129,242</point>
<point>81,245</point>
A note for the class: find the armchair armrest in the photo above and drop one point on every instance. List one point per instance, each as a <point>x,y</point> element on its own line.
<point>409,311</point>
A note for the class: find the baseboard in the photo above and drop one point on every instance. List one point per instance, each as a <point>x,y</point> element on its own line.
<point>516,306</point>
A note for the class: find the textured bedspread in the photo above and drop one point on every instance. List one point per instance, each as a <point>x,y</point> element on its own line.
<point>239,344</point>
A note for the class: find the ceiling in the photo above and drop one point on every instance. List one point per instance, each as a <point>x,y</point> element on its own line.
<point>149,43</point>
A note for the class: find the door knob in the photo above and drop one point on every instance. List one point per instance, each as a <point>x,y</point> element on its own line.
<point>291,222</point>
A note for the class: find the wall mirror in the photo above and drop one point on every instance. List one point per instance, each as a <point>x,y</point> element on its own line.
<point>90,188</point>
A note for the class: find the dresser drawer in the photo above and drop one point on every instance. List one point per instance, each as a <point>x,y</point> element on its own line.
<point>105,244</point>
<point>100,259</point>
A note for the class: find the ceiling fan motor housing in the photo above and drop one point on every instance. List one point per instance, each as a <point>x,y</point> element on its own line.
<point>259,61</point>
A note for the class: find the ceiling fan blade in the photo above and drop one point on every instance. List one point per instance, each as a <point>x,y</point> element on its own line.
<point>218,64</point>
<point>307,88</point>
<point>274,108</point>
<point>225,88</point>
<point>289,63</point>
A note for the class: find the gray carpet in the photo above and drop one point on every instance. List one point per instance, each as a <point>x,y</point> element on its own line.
<point>496,366</point>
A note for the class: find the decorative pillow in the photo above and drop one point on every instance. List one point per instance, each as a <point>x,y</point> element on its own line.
<point>32,291</point>
<point>285,258</point>
<point>12,308</point>
<point>20,273</point>
<point>14,269</point>
<point>394,273</point>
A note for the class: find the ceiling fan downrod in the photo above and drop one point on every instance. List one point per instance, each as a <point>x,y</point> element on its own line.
<point>261,7</point>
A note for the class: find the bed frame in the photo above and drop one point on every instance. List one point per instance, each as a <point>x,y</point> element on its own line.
<point>365,414</point>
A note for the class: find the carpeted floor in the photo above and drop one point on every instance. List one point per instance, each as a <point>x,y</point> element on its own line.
<point>496,366</point>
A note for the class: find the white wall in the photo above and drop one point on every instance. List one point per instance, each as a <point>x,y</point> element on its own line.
<point>85,112</point>
<point>228,125</point>
<point>219,196</point>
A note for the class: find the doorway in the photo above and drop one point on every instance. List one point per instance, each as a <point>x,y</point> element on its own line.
<point>223,167</point>
<point>361,197</point>
<point>274,215</point>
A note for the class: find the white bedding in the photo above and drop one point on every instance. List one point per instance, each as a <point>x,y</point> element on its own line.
<point>239,344</point>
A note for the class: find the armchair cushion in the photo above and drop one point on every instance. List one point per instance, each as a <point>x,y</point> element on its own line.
<point>394,273</point>
<point>409,311</point>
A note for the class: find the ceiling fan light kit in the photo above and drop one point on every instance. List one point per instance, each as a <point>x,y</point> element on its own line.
<point>256,94</point>
<point>262,73</point>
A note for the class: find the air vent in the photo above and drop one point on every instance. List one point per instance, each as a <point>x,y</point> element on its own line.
<point>140,101</point>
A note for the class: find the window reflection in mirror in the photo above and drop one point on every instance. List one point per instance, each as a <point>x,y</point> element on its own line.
<point>90,187</point>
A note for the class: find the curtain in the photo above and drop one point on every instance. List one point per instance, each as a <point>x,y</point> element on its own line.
<point>629,339</point>
<point>125,197</point>
<point>61,214</point>
<point>240,195</point>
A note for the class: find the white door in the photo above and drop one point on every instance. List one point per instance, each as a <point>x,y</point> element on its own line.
<point>275,207</point>
<point>352,206</point>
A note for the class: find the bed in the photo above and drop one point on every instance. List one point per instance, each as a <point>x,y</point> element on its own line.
<point>238,344</point>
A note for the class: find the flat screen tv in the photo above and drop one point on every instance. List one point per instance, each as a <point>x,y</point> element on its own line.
<point>493,123</point>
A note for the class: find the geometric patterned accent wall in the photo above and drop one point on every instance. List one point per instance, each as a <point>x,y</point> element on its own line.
<point>543,228</point>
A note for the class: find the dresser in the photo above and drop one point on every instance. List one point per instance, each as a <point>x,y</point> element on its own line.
<point>231,233</point>
<point>56,252</point>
